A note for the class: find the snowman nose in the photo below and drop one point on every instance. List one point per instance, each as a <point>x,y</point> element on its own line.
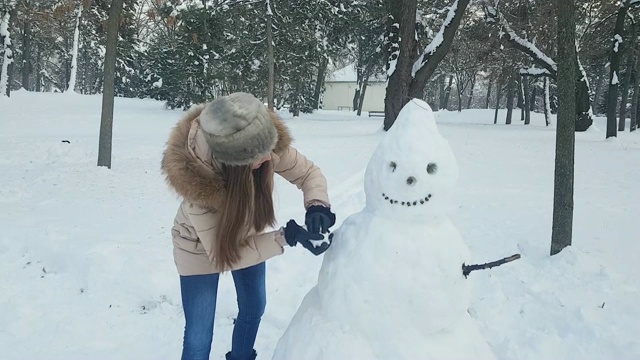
<point>411,180</point>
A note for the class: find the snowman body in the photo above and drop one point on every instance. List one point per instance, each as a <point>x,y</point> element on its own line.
<point>391,285</point>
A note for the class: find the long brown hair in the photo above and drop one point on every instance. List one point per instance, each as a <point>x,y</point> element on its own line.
<point>249,203</point>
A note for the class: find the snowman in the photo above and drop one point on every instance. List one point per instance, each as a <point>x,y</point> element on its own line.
<point>391,285</point>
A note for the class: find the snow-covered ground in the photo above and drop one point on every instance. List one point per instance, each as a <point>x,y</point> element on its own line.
<point>85,252</point>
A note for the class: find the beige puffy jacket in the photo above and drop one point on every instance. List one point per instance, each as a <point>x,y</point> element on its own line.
<point>194,174</point>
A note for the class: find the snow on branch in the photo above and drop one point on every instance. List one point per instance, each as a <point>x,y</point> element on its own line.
<point>535,72</point>
<point>618,40</point>
<point>438,39</point>
<point>519,43</point>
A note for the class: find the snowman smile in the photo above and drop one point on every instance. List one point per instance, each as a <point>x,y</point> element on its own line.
<point>407,203</point>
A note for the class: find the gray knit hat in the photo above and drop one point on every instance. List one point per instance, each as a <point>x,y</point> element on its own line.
<point>238,129</point>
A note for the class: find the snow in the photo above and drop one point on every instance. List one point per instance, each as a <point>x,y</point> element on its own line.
<point>618,41</point>
<point>614,79</point>
<point>403,230</point>
<point>534,71</point>
<point>88,259</point>
<point>437,39</point>
<point>392,63</point>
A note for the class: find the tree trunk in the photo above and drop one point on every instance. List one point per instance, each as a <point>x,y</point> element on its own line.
<point>5,75</point>
<point>447,93</point>
<point>582,98</point>
<point>38,69</point>
<point>614,70</point>
<point>322,70</point>
<point>626,80</point>
<point>510,89</point>
<point>26,55</point>
<point>362,93</point>
<point>459,91</point>
<point>74,53</point>
<point>598,94</point>
<point>498,93</point>
<point>85,72</point>
<point>296,101</point>
<point>634,100</point>
<point>547,102</point>
<point>527,106</point>
<point>270,56</point>
<point>489,93</point>
<point>397,94</point>
<point>472,86</point>
<point>441,85</point>
<point>534,95</point>
<point>106,121</point>
<point>520,104</point>
<point>565,134</point>
<point>359,83</point>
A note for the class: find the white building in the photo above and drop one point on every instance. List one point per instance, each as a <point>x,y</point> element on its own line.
<point>341,85</point>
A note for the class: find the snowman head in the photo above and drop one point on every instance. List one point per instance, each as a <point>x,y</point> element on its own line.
<point>413,172</point>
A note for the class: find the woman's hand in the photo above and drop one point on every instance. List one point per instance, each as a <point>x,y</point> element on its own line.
<point>319,219</point>
<point>314,242</point>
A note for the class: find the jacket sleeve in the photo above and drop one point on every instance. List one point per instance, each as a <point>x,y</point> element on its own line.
<point>258,248</point>
<point>303,173</point>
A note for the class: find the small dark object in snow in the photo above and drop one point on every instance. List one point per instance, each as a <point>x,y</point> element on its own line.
<point>602,307</point>
<point>66,141</point>
<point>467,269</point>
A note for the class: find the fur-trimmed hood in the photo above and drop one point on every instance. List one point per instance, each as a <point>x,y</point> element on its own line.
<point>189,167</point>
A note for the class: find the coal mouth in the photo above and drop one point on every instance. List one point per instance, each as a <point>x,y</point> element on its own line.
<point>407,203</point>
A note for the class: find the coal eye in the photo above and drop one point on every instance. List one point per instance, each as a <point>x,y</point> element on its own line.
<point>432,168</point>
<point>393,166</point>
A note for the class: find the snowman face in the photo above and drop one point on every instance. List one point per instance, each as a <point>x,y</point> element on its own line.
<point>412,173</point>
<point>411,181</point>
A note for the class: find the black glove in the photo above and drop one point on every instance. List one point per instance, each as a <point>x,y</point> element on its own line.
<point>319,219</point>
<point>296,234</point>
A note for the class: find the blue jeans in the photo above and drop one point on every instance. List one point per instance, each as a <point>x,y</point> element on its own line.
<point>199,294</point>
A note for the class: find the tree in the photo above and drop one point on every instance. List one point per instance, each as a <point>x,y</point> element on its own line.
<point>626,78</point>
<point>7,14</point>
<point>108,94</point>
<point>614,67</point>
<point>547,102</point>
<point>74,53</point>
<point>548,66</point>
<point>510,90</point>
<point>270,55</point>
<point>408,69</point>
<point>368,29</point>
<point>565,134</point>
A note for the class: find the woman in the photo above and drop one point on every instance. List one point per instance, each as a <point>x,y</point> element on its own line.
<point>221,158</point>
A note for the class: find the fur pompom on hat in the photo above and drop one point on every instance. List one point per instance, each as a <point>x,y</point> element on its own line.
<point>238,129</point>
